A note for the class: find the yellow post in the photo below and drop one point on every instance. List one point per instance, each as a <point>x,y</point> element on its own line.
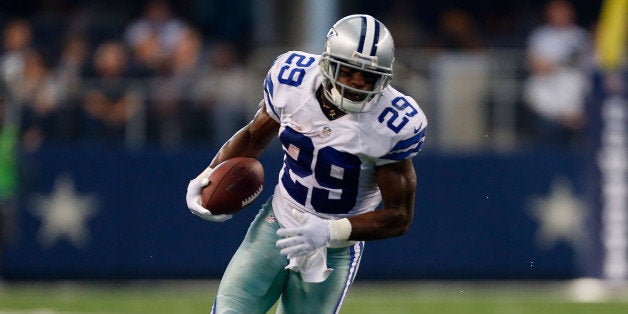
<point>611,34</point>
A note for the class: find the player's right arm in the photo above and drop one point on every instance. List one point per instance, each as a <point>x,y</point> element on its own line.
<point>250,141</point>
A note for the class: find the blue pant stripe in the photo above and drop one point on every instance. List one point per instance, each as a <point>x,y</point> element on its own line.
<point>354,262</point>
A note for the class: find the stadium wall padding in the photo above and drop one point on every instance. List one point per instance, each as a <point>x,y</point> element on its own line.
<point>474,218</point>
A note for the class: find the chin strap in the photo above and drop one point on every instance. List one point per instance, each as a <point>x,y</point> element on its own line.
<point>345,103</point>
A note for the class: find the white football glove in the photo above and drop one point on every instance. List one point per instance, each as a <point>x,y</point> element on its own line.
<point>193,198</point>
<point>311,235</point>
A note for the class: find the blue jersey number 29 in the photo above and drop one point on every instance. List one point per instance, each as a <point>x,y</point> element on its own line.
<point>293,71</point>
<point>336,172</point>
<point>392,116</point>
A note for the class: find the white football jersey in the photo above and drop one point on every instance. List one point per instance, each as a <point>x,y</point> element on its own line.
<point>329,165</point>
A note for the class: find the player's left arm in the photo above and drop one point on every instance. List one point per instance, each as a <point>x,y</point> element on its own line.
<point>397,183</point>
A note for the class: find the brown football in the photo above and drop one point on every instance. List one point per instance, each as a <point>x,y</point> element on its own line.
<point>233,185</point>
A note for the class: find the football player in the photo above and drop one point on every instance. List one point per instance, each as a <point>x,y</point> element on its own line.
<point>349,138</point>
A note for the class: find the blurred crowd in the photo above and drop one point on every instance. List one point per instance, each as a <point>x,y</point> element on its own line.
<point>166,80</point>
<point>556,39</point>
<point>158,82</point>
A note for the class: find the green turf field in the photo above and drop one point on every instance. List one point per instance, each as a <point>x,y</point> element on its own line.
<point>183,297</point>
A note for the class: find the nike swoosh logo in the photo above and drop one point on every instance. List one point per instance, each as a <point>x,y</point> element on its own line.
<point>416,130</point>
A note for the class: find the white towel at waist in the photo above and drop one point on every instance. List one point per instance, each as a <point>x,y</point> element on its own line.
<point>313,266</point>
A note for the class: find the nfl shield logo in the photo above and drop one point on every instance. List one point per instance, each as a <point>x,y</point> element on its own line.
<point>326,131</point>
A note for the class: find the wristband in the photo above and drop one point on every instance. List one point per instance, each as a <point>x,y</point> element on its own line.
<point>339,230</point>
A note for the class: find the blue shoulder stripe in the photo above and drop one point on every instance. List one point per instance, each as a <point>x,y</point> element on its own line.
<point>409,142</point>
<point>268,87</point>
<point>403,149</point>
<point>405,154</point>
<point>268,84</point>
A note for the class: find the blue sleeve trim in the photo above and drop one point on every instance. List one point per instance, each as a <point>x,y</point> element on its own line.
<point>409,142</point>
<point>268,84</point>
<point>407,148</point>
<point>405,154</point>
<point>268,89</point>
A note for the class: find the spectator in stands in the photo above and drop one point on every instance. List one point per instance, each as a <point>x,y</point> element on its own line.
<point>221,91</point>
<point>154,36</point>
<point>556,88</point>
<point>29,86</point>
<point>69,71</point>
<point>112,98</point>
<point>37,95</point>
<point>72,66</point>
<point>173,115</point>
<point>16,43</point>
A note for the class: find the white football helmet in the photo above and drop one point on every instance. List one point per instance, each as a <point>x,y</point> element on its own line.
<point>361,42</point>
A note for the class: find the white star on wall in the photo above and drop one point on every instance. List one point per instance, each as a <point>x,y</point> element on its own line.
<point>64,214</point>
<point>560,215</point>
